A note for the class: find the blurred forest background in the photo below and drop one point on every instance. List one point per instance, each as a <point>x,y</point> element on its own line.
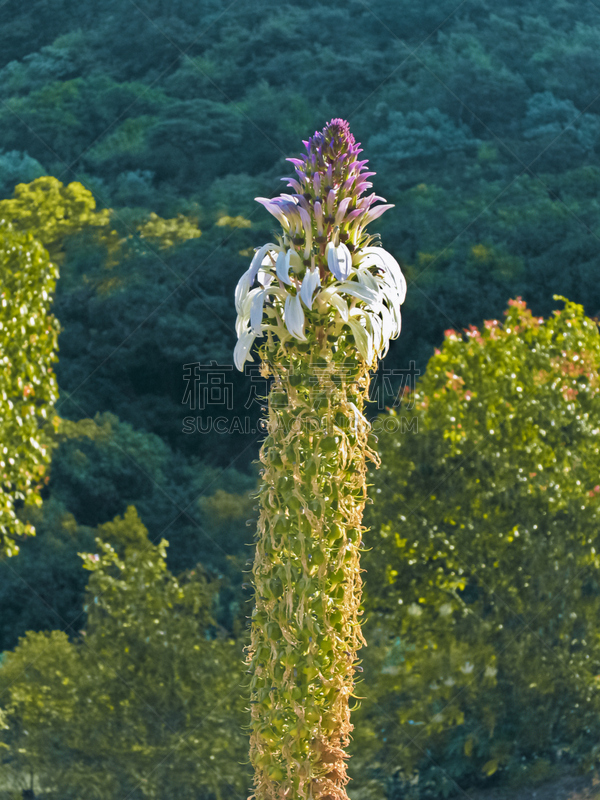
<point>482,122</point>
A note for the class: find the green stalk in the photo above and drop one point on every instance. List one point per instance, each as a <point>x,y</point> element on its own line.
<point>305,630</point>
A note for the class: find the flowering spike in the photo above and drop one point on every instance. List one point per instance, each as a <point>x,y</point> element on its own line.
<point>323,227</point>
<point>325,298</point>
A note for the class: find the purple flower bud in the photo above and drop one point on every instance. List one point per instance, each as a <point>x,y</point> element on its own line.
<point>293,183</point>
<point>354,214</point>
<point>319,217</point>
<point>306,220</point>
<point>374,213</point>
<point>330,202</point>
<point>302,202</point>
<point>272,208</point>
<point>342,208</point>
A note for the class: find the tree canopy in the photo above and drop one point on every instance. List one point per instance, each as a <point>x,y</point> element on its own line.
<point>146,701</point>
<point>28,389</point>
<point>483,573</point>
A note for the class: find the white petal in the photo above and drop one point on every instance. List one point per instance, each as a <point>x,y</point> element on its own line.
<point>368,280</point>
<point>341,305</point>
<point>294,317</point>
<point>241,354</point>
<point>377,327</point>
<point>388,326</point>
<point>241,290</point>
<point>257,260</point>
<point>362,338</point>
<point>282,268</point>
<point>377,256</point>
<point>339,260</point>
<point>264,277</point>
<point>360,292</point>
<point>309,284</point>
<point>243,317</point>
<point>241,325</point>
<point>256,312</point>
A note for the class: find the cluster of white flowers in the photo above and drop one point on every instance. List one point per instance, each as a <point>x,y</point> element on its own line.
<point>323,264</point>
<point>366,291</point>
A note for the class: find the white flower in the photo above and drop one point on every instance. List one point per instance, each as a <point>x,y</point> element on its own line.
<point>362,338</point>
<point>339,260</point>
<point>243,318</point>
<point>282,268</point>
<point>264,278</point>
<point>355,289</point>
<point>241,353</point>
<point>294,317</point>
<point>256,312</point>
<point>310,283</point>
<point>380,258</point>
<point>248,278</point>
<point>341,305</point>
<point>366,294</point>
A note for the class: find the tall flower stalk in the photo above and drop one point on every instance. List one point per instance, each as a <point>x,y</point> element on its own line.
<point>325,300</point>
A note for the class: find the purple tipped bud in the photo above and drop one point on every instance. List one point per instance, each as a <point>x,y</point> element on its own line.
<point>342,208</point>
<point>305,217</point>
<point>330,202</point>
<point>360,187</point>
<point>319,217</point>
<point>354,214</point>
<point>293,183</point>
<point>376,212</point>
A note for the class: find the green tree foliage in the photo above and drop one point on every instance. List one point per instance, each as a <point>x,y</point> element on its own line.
<point>147,703</point>
<point>28,390</point>
<point>51,212</point>
<point>99,467</point>
<point>483,582</point>
<point>43,587</point>
<point>17,167</point>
